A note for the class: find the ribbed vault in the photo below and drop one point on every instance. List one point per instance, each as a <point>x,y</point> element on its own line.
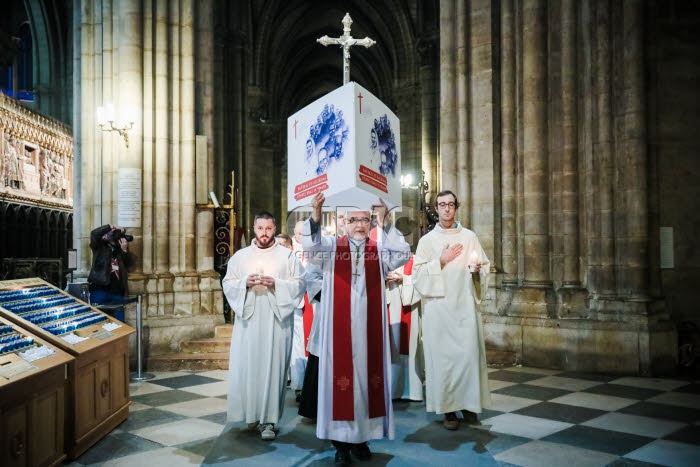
<point>294,69</point>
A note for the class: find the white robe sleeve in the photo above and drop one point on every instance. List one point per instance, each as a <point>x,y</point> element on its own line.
<point>235,290</point>
<point>427,273</point>
<point>289,290</point>
<point>481,281</point>
<point>314,281</point>
<point>394,250</point>
<point>409,296</point>
<point>316,246</point>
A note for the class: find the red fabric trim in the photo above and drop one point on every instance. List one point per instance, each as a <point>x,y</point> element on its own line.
<point>343,400</point>
<point>375,340</point>
<point>308,318</point>
<point>405,327</point>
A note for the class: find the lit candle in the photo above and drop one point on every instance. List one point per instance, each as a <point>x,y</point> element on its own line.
<point>473,259</point>
<point>259,269</point>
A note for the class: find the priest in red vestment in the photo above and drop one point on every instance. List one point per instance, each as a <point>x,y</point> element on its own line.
<point>354,389</point>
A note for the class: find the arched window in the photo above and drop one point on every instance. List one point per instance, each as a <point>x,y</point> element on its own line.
<point>17,79</point>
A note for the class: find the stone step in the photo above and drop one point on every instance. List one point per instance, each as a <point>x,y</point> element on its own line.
<point>188,361</point>
<point>223,331</point>
<point>501,357</point>
<point>210,345</point>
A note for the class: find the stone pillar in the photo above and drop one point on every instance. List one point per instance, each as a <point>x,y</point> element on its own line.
<point>631,226</point>
<point>142,56</point>
<point>509,161</point>
<point>176,175</point>
<point>454,61</point>
<point>161,171</point>
<point>535,149</point>
<point>601,260</point>
<point>204,57</point>
<point>147,215</point>
<point>430,112</point>
<point>481,170</point>
<point>569,167</point>
<point>187,231</point>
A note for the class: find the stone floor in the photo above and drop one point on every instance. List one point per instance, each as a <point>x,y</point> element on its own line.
<point>539,418</point>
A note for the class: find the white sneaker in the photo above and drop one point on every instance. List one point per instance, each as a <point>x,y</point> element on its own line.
<point>268,432</point>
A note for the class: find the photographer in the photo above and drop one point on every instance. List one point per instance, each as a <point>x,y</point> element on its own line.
<point>110,259</point>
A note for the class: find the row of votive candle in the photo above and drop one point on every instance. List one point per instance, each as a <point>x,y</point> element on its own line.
<point>22,294</point>
<point>10,337</point>
<point>49,302</point>
<point>81,322</point>
<point>19,343</point>
<point>38,317</point>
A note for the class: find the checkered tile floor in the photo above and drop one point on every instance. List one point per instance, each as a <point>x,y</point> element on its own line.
<point>539,418</point>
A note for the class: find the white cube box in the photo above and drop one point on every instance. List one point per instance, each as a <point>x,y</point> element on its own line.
<point>346,144</point>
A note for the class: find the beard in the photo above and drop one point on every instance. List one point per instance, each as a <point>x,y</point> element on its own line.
<point>264,241</point>
<point>358,235</point>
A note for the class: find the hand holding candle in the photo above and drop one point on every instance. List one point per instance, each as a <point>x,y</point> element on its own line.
<point>474,264</point>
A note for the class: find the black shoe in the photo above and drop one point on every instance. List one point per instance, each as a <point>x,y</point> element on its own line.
<point>361,451</point>
<point>469,417</point>
<point>342,456</point>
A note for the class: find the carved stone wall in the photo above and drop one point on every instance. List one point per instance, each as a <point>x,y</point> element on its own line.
<point>37,157</point>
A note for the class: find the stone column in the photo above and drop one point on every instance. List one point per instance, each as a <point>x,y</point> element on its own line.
<point>569,167</point>
<point>509,163</point>
<point>175,177</point>
<point>84,163</point>
<point>454,60</point>
<point>601,261</point>
<point>128,83</point>
<point>481,127</point>
<point>187,231</point>
<point>204,57</point>
<point>147,215</point>
<point>535,148</point>
<point>161,172</point>
<point>430,112</point>
<point>631,227</point>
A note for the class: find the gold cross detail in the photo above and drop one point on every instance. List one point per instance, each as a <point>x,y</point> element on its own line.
<point>343,382</point>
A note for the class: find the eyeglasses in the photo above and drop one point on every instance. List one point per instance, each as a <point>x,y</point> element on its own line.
<point>444,205</point>
<point>358,220</point>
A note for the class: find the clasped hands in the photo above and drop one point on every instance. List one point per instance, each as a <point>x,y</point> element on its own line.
<point>394,277</point>
<point>260,279</point>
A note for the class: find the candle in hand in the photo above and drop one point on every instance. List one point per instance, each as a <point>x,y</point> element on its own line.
<point>259,269</point>
<point>473,260</point>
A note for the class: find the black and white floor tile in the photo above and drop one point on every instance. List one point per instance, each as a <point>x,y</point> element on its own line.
<point>538,418</point>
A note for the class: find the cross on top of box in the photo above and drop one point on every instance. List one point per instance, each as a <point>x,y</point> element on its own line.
<point>346,144</point>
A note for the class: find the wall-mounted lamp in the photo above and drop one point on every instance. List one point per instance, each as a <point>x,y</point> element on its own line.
<point>107,121</point>
<point>422,188</point>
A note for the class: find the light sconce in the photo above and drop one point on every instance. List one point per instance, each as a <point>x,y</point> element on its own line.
<point>422,189</point>
<point>107,121</point>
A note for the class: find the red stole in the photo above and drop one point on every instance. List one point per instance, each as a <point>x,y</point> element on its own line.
<point>343,400</point>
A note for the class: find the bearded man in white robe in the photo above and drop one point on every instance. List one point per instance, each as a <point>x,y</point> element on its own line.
<point>354,388</point>
<point>263,284</point>
<point>450,271</point>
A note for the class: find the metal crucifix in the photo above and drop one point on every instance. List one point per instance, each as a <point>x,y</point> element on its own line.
<point>346,41</point>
